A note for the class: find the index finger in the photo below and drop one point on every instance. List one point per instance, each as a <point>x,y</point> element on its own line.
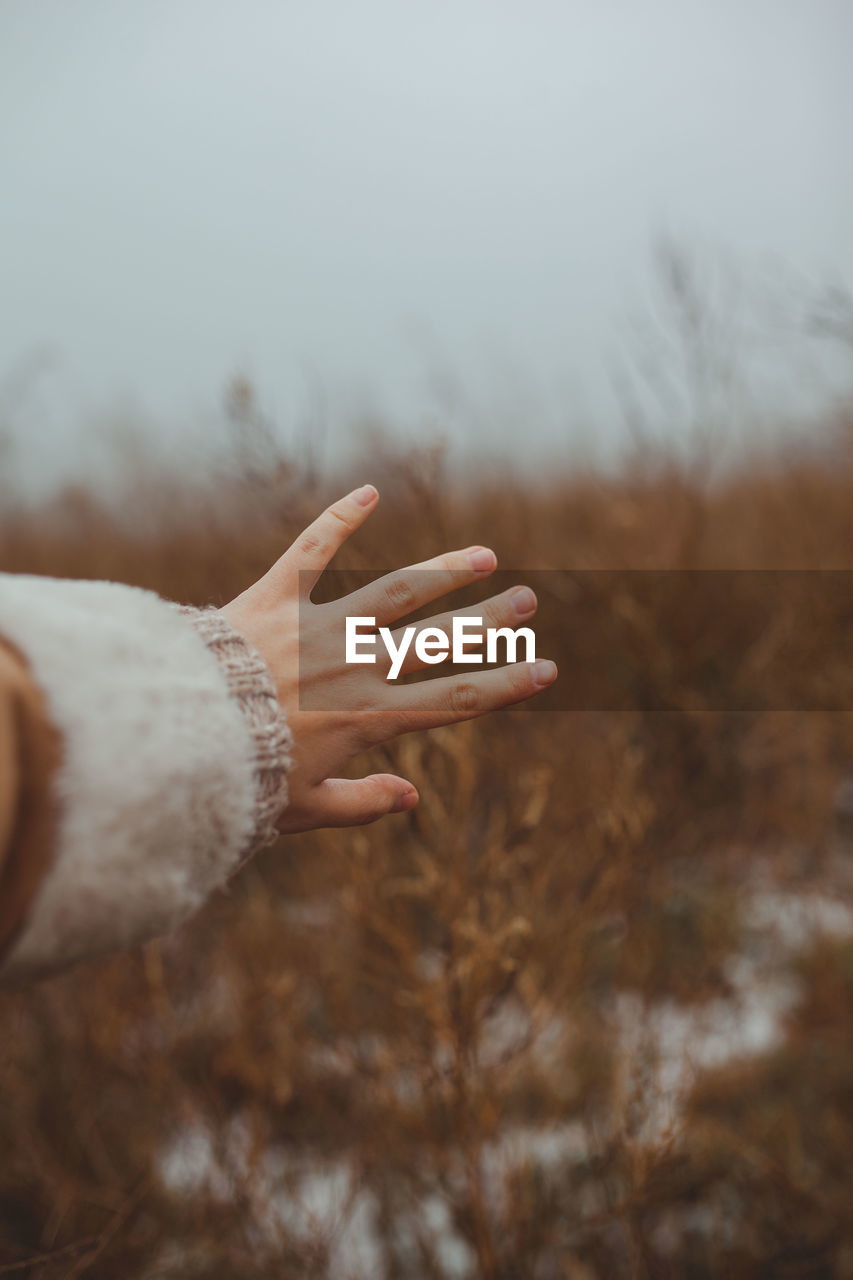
<point>309,555</point>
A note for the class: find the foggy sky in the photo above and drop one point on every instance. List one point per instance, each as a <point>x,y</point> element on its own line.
<point>352,197</point>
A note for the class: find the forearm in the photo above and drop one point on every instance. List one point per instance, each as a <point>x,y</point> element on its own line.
<point>172,758</point>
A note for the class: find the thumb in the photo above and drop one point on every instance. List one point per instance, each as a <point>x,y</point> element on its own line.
<point>345,802</point>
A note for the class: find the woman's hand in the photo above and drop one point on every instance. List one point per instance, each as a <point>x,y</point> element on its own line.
<point>302,644</point>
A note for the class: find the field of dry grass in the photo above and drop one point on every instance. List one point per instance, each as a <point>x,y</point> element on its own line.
<point>586,1013</point>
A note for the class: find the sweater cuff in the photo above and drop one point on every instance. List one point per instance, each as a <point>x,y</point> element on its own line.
<point>250,684</point>
<point>156,792</point>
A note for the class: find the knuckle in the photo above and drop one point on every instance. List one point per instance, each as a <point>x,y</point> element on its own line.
<point>464,698</point>
<point>522,681</point>
<point>310,543</point>
<point>342,518</point>
<point>381,800</point>
<point>375,806</point>
<point>365,818</point>
<point>399,594</point>
<point>496,613</point>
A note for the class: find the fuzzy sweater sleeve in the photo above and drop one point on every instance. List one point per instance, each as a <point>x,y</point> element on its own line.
<point>30,751</point>
<point>172,765</point>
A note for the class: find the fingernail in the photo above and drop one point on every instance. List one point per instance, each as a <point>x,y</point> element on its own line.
<point>406,800</point>
<point>523,600</point>
<point>365,495</point>
<point>482,559</point>
<point>543,673</point>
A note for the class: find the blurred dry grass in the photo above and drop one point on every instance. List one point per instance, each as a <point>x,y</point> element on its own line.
<point>526,1031</point>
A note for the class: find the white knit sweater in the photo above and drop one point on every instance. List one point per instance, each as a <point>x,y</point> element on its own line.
<point>175,753</point>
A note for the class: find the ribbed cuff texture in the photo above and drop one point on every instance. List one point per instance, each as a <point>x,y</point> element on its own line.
<point>250,683</point>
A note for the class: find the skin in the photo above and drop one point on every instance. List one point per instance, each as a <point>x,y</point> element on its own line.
<point>371,710</point>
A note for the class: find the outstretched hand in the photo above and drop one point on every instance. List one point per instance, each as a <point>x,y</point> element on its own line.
<point>302,652</point>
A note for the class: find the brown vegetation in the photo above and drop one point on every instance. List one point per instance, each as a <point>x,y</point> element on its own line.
<point>587,1012</point>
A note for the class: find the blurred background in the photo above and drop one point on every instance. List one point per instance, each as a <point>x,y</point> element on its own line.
<point>572,281</point>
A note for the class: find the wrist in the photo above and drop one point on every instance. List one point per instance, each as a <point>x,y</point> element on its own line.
<point>250,683</point>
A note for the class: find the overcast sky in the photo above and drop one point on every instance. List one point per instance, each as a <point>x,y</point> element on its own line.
<point>357,194</point>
